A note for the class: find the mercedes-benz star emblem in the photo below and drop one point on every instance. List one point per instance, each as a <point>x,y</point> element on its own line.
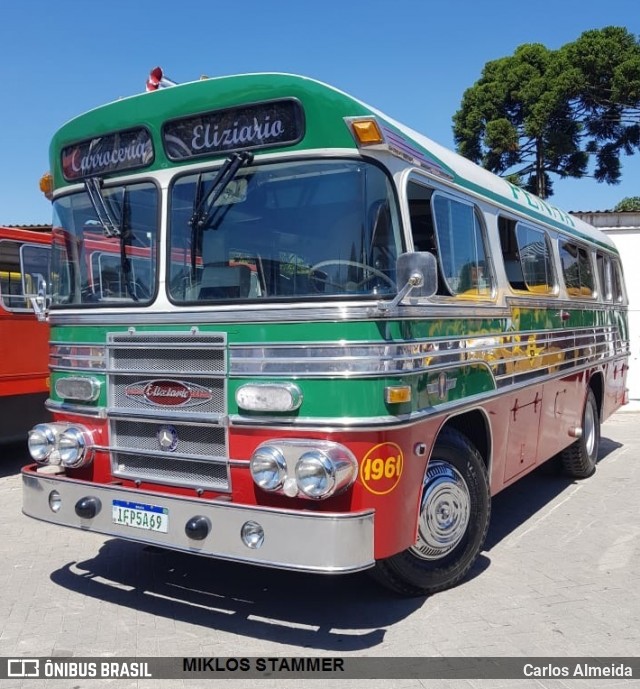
<point>167,438</point>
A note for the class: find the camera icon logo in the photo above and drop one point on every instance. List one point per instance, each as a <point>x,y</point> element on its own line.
<point>23,667</point>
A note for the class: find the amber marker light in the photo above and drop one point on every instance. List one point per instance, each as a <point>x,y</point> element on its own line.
<point>397,394</point>
<point>366,131</point>
<point>46,185</point>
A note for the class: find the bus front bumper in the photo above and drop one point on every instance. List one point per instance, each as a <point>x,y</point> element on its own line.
<point>293,540</point>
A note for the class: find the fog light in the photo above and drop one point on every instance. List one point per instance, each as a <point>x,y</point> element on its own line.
<point>41,442</point>
<point>252,535</point>
<point>55,501</point>
<point>268,467</point>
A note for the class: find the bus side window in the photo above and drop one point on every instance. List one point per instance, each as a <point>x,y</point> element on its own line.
<point>603,264</point>
<point>510,255</point>
<point>577,269</point>
<point>527,257</point>
<point>11,288</point>
<point>462,247</point>
<point>618,290</point>
<point>422,226</point>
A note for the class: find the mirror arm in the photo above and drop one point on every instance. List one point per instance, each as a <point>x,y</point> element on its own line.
<point>39,306</point>
<point>416,279</point>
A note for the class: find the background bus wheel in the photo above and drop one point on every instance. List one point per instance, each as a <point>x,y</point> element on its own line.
<point>579,459</point>
<point>452,524</point>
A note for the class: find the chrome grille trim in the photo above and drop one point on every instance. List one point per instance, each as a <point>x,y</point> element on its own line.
<point>200,458</point>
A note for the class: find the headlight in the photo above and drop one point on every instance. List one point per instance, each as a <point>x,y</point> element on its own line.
<point>315,474</point>
<point>41,442</point>
<point>268,468</point>
<point>60,443</point>
<point>72,446</point>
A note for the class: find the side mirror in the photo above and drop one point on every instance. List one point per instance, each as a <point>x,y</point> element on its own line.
<point>40,302</point>
<point>411,267</point>
<point>418,274</point>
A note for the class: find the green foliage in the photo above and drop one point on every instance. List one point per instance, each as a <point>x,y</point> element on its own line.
<point>630,203</point>
<point>542,112</point>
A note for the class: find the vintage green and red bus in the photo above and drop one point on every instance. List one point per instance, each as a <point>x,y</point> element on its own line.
<point>338,339</point>
<point>24,341</point>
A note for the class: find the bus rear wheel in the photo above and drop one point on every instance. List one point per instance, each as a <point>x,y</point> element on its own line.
<point>579,459</point>
<point>455,507</point>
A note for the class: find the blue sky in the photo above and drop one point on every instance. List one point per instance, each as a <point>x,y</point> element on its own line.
<point>412,59</point>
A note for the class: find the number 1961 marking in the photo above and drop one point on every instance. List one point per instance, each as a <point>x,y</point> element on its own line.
<point>381,468</point>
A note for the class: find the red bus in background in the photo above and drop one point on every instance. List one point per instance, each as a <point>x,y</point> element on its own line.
<point>24,347</point>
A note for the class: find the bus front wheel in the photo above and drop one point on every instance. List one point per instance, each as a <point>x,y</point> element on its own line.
<point>455,506</point>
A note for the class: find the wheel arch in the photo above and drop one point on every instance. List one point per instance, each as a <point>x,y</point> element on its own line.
<point>596,383</point>
<point>475,425</point>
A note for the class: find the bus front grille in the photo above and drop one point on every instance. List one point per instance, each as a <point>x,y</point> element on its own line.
<point>166,405</point>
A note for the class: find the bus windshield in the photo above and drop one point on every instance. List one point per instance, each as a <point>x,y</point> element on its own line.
<point>92,266</point>
<point>311,229</point>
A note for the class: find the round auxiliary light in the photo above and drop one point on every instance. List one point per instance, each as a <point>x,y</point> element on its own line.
<point>252,535</point>
<point>72,447</point>
<point>41,442</point>
<point>268,467</point>
<point>315,474</point>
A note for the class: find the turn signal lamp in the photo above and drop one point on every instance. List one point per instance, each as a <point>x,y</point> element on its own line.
<point>366,131</point>
<point>397,394</point>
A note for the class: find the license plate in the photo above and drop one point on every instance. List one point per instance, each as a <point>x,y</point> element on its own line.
<point>140,516</point>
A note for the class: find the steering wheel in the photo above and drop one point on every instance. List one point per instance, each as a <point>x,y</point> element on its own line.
<point>349,286</point>
<point>140,290</point>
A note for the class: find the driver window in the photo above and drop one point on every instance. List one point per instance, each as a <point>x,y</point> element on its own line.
<point>422,227</point>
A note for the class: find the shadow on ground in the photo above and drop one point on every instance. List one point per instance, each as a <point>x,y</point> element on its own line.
<point>341,613</point>
<point>13,456</point>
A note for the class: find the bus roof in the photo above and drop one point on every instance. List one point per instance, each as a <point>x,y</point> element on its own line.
<point>325,109</point>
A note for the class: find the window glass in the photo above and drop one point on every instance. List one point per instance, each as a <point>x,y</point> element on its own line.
<point>618,283</point>
<point>303,229</point>
<point>577,270</point>
<point>604,276</point>
<point>535,259</point>
<point>23,271</point>
<point>94,263</point>
<point>526,252</point>
<point>461,247</point>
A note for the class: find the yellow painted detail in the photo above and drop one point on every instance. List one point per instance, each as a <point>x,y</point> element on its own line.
<point>381,468</point>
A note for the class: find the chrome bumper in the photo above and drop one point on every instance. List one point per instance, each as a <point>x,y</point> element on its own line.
<point>293,540</point>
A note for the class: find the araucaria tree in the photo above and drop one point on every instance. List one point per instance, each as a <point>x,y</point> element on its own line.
<point>542,112</point>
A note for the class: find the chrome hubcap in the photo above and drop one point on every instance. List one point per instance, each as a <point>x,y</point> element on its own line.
<point>444,511</point>
<point>589,430</point>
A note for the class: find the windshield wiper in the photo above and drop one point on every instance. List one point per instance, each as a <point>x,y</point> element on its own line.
<point>104,211</point>
<point>204,206</point>
<point>125,233</point>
